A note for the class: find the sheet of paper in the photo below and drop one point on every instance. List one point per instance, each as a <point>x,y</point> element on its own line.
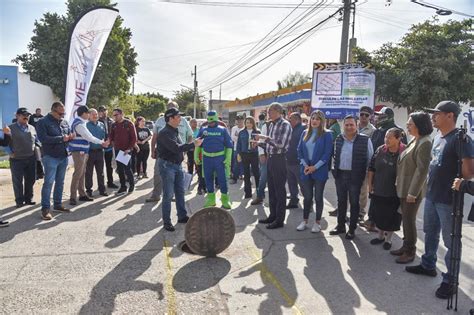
<point>123,158</point>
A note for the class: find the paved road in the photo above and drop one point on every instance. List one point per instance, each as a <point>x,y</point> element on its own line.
<point>112,256</point>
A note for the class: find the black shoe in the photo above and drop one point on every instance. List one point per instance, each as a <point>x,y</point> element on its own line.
<point>89,193</point>
<point>131,188</point>
<point>292,206</point>
<point>4,224</point>
<point>200,192</point>
<point>153,199</point>
<point>72,202</point>
<point>112,185</point>
<point>60,208</point>
<point>183,220</point>
<point>103,193</point>
<point>265,221</point>
<point>350,235</point>
<point>337,230</point>
<point>377,241</point>
<point>444,291</point>
<point>387,245</point>
<point>169,227</point>
<point>122,190</point>
<point>248,197</point>
<point>19,205</point>
<point>333,213</point>
<point>420,270</point>
<point>85,198</point>
<point>274,225</point>
<point>30,203</point>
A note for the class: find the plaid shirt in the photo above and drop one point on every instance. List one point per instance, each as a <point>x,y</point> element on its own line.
<point>280,135</point>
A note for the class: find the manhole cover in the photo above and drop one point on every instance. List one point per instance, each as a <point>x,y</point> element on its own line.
<point>209,231</point>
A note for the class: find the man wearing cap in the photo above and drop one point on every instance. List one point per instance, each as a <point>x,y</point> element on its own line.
<point>124,137</point>
<point>366,128</point>
<point>55,134</point>
<point>109,151</point>
<point>216,159</point>
<point>22,140</point>
<point>34,118</point>
<point>170,150</point>
<point>79,148</point>
<point>96,155</point>
<point>385,121</point>
<point>185,133</point>
<point>439,197</point>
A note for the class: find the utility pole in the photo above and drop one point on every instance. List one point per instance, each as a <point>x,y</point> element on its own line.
<point>220,92</point>
<point>210,99</point>
<point>133,96</point>
<point>345,31</point>
<point>353,40</point>
<point>195,89</point>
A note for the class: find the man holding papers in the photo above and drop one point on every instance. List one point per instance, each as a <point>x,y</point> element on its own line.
<point>124,137</point>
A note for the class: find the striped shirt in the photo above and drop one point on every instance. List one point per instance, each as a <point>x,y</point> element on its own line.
<point>280,135</point>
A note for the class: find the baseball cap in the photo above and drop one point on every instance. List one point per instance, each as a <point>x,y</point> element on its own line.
<point>23,111</point>
<point>171,113</point>
<point>81,110</point>
<point>366,109</point>
<point>385,111</point>
<point>445,107</point>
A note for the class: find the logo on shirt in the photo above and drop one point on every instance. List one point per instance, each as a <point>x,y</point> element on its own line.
<point>437,151</point>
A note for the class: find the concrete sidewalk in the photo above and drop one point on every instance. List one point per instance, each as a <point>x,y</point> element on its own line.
<point>112,256</point>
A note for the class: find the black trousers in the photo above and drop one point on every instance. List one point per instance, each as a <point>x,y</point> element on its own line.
<point>346,188</point>
<point>23,178</point>
<point>250,162</point>
<point>133,162</point>
<point>201,181</point>
<point>276,167</point>
<point>142,158</point>
<point>190,162</point>
<point>95,160</point>
<point>124,170</point>
<point>108,166</point>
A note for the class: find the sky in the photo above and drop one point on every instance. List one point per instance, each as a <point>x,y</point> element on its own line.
<point>171,38</point>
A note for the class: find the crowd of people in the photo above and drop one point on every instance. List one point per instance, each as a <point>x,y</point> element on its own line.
<point>368,162</point>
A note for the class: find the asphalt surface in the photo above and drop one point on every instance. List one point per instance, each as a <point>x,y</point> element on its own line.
<point>113,256</point>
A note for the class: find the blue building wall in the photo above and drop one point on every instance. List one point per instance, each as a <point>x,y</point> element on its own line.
<point>8,93</point>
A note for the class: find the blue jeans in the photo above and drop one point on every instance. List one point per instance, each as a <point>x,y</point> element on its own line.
<point>263,181</point>
<point>437,217</point>
<point>346,188</point>
<point>313,187</point>
<point>237,168</point>
<point>173,184</point>
<point>54,172</point>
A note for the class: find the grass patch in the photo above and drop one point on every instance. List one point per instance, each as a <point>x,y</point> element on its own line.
<point>5,164</point>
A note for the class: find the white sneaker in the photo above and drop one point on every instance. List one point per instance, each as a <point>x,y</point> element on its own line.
<point>316,228</point>
<point>301,227</point>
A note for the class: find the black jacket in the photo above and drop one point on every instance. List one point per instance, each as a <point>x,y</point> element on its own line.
<point>169,145</point>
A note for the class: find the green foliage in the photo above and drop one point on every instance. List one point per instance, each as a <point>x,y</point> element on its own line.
<point>150,105</point>
<point>45,61</point>
<point>5,164</point>
<point>185,100</point>
<point>293,79</point>
<point>430,64</point>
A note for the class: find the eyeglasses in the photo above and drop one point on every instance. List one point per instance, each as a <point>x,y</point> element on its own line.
<point>364,115</point>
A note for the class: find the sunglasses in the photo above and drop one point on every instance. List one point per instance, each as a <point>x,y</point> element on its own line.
<point>364,114</point>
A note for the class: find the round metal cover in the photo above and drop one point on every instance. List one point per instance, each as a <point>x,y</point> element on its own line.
<point>209,231</point>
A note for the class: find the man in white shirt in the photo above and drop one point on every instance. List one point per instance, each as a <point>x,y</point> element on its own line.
<point>79,148</point>
<point>236,167</point>
<point>185,133</point>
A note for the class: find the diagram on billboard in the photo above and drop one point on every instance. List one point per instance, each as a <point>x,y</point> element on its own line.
<point>342,89</point>
<point>329,83</point>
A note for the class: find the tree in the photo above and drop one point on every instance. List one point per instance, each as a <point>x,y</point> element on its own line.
<point>293,79</point>
<point>430,64</point>
<point>185,100</point>
<point>46,57</point>
<point>150,105</point>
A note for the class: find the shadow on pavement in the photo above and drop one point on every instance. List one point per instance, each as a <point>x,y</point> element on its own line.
<point>201,274</point>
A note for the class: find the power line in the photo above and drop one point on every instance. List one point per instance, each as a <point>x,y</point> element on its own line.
<point>279,49</point>
<point>262,5</point>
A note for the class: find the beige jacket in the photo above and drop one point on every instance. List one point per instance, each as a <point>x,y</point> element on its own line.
<point>412,168</point>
